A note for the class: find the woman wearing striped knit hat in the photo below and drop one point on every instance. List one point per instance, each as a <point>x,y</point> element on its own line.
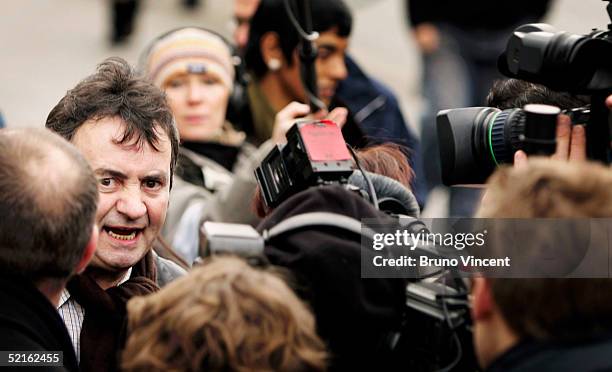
<point>214,178</point>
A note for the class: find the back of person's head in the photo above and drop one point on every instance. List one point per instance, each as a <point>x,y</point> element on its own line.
<point>552,309</point>
<point>223,316</point>
<point>549,189</point>
<point>48,200</point>
<point>514,93</point>
<point>115,90</point>
<point>271,16</point>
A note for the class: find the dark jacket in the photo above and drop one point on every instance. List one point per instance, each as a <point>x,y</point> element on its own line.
<point>354,315</point>
<point>376,111</point>
<point>476,14</point>
<point>29,322</point>
<point>533,357</point>
<point>254,100</point>
<point>374,117</point>
<point>167,270</point>
<point>104,326</point>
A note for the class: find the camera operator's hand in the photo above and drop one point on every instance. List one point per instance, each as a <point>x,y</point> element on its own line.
<point>286,117</point>
<point>571,142</point>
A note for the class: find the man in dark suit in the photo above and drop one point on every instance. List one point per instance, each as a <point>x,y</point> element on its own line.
<point>48,199</point>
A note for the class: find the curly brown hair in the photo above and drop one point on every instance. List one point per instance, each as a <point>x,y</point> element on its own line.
<point>223,316</point>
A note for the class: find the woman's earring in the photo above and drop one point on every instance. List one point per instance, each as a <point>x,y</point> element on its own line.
<point>274,64</point>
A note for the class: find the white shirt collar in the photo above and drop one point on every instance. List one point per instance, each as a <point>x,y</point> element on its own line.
<point>65,296</point>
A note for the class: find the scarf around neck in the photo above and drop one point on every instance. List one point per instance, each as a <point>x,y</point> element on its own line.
<point>104,327</point>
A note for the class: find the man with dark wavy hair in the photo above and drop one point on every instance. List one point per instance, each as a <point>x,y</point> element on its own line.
<point>123,126</point>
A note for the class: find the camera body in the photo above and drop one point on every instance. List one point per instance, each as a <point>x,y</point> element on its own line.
<point>559,60</point>
<point>315,154</point>
<point>475,140</point>
<point>578,64</point>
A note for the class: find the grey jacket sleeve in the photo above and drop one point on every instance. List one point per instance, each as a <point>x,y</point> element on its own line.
<point>234,203</point>
<point>167,270</point>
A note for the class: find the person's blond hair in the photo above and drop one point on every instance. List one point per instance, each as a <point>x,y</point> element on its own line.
<point>224,315</point>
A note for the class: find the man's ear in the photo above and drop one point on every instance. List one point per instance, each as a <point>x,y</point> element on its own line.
<point>482,299</point>
<point>269,45</point>
<point>89,250</point>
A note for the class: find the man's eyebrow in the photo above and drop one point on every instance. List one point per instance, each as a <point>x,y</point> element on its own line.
<point>110,172</point>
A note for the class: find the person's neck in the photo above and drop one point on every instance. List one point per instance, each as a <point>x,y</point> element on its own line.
<point>106,279</point>
<point>274,91</point>
<point>500,339</point>
<point>52,289</point>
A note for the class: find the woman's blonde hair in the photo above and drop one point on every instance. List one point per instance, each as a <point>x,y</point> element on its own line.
<point>224,315</point>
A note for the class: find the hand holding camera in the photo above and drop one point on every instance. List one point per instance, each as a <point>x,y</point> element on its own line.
<point>571,143</point>
<point>295,111</point>
<point>474,141</point>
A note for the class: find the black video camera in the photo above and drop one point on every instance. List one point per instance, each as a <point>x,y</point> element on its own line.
<point>315,154</point>
<point>474,140</point>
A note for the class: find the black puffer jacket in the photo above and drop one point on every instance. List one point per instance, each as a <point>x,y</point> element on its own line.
<point>354,315</point>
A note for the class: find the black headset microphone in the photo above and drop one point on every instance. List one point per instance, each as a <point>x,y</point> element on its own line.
<point>307,52</point>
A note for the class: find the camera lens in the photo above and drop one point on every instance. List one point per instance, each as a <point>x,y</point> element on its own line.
<point>474,140</point>
<point>504,134</point>
<point>540,129</point>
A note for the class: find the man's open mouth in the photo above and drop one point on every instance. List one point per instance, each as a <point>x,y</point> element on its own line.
<point>122,233</point>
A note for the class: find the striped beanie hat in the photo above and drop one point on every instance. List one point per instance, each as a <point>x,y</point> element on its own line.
<point>190,50</point>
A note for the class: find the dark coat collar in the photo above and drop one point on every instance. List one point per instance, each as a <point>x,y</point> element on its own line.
<point>28,321</point>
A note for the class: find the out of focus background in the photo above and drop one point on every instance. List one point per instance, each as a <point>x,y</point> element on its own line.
<point>49,45</point>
